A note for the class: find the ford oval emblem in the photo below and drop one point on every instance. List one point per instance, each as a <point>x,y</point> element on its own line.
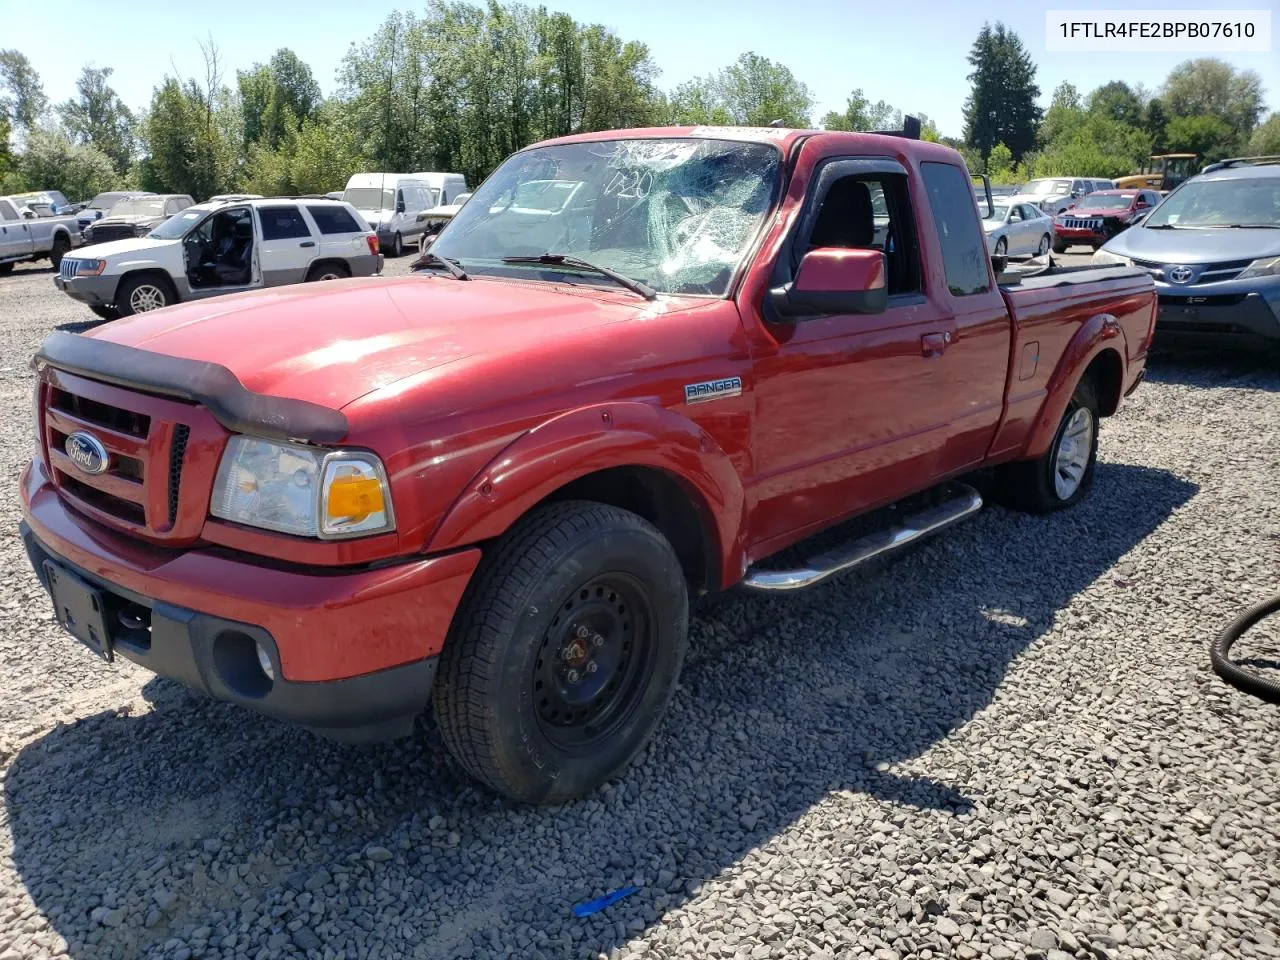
<point>1181,274</point>
<point>87,453</point>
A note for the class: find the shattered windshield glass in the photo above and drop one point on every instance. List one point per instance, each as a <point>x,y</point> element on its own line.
<point>677,214</point>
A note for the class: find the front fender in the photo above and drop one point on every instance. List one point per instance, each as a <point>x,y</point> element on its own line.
<point>591,439</point>
<point>1097,335</point>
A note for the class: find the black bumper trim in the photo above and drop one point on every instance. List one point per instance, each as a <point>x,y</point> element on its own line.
<point>180,646</point>
<point>211,385</point>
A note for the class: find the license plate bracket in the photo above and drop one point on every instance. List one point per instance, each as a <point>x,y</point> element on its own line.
<point>79,608</point>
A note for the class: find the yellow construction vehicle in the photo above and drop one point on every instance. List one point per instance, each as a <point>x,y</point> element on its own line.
<point>1162,172</point>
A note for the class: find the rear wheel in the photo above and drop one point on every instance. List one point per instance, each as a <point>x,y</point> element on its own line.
<point>144,294</point>
<point>1064,475</point>
<point>564,654</point>
<point>1002,247</point>
<point>327,271</point>
<point>1044,246</point>
<point>397,245</point>
<point>5,268</point>
<point>59,250</point>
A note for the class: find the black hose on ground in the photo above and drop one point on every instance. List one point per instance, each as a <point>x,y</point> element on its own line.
<point>1236,675</point>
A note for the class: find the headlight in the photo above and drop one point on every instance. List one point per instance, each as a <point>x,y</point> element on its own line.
<point>90,268</point>
<point>1261,268</point>
<point>1106,256</point>
<point>305,491</point>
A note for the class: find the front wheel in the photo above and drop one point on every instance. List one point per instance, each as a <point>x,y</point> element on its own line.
<point>1002,247</point>
<point>59,250</point>
<point>1063,476</point>
<point>144,294</point>
<point>564,653</point>
<point>397,245</point>
<point>1059,247</point>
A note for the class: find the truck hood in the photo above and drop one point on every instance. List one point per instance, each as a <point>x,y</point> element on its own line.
<point>126,247</point>
<point>333,343</point>
<point>132,218</point>
<point>1196,245</point>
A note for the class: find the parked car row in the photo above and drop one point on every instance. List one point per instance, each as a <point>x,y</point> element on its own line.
<point>393,203</point>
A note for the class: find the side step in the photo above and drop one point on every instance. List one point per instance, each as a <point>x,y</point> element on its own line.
<point>964,502</point>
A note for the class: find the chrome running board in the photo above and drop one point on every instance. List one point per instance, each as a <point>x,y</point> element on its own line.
<point>846,556</point>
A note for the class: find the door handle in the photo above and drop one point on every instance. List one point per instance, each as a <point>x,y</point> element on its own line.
<point>933,344</point>
<point>307,243</point>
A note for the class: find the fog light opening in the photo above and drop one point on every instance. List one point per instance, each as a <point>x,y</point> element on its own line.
<point>243,665</point>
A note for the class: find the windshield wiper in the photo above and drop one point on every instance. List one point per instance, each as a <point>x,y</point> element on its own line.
<point>454,268</point>
<point>562,260</point>
<point>1159,226</point>
<point>1253,226</point>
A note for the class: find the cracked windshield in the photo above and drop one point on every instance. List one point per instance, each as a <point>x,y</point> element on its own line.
<point>676,214</point>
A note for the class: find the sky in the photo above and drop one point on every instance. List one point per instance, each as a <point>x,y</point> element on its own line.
<point>910,53</point>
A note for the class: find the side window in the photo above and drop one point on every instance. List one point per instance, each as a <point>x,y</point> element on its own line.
<point>1017,213</point>
<point>872,211</point>
<point>399,197</point>
<point>333,219</point>
<point>1029,213</point>
<point>281,223</point>
<point>964,250</point>
<point>7,212</point>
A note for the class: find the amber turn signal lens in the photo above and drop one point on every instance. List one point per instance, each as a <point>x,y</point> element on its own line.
<point>354,497</point>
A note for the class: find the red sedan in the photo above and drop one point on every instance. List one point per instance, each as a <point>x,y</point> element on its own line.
<point>1099,216</point>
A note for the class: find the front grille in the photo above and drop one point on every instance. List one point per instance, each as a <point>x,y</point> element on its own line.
<point>113,231</point>
<point>69,268</point>
<point>1077,223</point>
<point>177,453</point>
<point>146,439</point>
<point>1218,272</point>
<point>101,414</point>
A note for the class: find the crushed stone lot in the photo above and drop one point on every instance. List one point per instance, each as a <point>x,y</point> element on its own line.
<point>1007,743</point>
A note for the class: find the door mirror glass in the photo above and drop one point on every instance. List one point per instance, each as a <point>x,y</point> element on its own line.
<point>834,280</point>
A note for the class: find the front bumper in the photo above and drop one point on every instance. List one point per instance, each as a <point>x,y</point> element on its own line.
<point>1070,235</point>
<point>95,291</point>
<point>1239,317</point>
<point>354,652</point>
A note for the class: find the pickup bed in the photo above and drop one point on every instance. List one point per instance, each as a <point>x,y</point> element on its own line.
<point>493,486</point>
<point>24,236</point>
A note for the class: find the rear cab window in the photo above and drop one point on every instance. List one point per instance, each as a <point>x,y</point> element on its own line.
<point>7,212</point>
<point>282,223</point>
<point>333,219</point>
<point>964,249</point>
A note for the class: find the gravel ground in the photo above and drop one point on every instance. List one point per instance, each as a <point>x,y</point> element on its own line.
<point>1007,744</point>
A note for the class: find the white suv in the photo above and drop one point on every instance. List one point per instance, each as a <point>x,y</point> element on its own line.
<point>223,247</point>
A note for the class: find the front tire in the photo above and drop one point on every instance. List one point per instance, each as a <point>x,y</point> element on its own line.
<point>1002,247</point>
<point>1059,248</point>
<point>564,653</point>
<point>397,245</point>
<point>59,250</point>
<point>1044,246</point>
<point>144,294</point>
<point>1064,475</point>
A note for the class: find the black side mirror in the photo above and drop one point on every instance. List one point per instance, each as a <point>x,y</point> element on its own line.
<point>399,206</point>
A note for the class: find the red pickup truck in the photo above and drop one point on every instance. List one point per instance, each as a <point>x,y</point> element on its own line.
<point>637,366</point>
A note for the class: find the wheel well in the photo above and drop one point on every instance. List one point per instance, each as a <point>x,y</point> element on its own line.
<point>1107,375</point>
<point>328,262</point>
<point>145,272</point>
<point>665,502</point>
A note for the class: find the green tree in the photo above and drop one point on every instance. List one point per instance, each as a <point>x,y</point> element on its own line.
<point>52,162</point>
<point>1266,137</point>
<point>1065,113</point>
<point>6,153</point>
<point>22,98</point>
<point>1000,165</point>
<point>1154,121</point>
<point>1117,101</point>
<point>276,97</point>
<point>860,114</point>
<point>1209,136</point>
<point>1096,145</point>
<point>99,117</point>
<point>324,154</point>
<point>1211,87</point>
<point>753,91</point>
<point>188,150</point>
<point>1001,107</point>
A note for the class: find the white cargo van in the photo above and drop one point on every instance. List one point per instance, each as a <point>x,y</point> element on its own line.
<point>445,187</point>
<point>390,202</point>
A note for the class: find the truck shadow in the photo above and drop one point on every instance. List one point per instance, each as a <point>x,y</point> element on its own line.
<point>132,830</point>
